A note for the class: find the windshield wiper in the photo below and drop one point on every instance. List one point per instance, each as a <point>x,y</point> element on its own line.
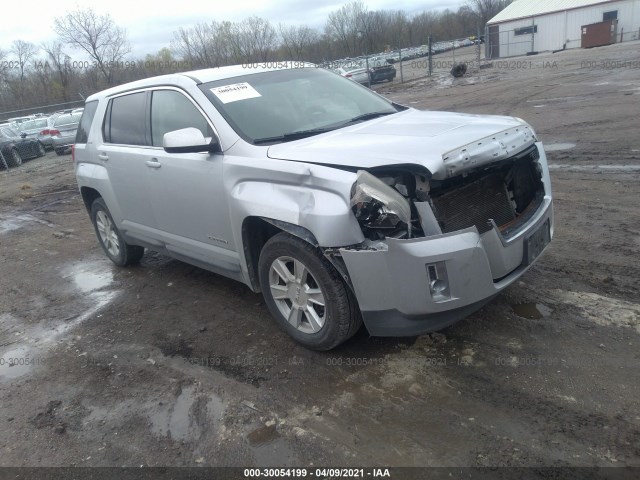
<point>367,116</point>
<point>309,133</point>
<point>285,137</point>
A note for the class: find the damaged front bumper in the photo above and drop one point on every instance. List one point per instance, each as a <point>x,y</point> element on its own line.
<point>393,280</point>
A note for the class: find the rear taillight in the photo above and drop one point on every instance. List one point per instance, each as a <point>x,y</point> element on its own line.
<point>45,132</point>
<point>73,152</point>
<point>54,132</point>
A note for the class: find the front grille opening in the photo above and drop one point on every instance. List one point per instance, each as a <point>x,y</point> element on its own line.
<point>507,193</point>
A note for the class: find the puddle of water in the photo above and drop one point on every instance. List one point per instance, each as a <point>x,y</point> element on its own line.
<point>274,454</point>
<point>182,420</point>
<point>100,299</point>
<point>533,311</point>
<point>14,222</point>
<point>15,363</point>
<point>90,277</point>
<point>269,448</point>
<point>262,435</point>
<point>557,147</point>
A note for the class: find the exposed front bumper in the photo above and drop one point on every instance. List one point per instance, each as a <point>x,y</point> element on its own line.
<point>392,283</point>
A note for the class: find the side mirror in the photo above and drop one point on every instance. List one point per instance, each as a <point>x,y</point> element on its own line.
<point>23,135</point>
<point>188,140</point>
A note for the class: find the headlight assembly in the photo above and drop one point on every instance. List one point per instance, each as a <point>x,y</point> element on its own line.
<point>377,205</point>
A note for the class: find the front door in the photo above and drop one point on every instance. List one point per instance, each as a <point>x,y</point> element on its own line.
<point>187,188</point>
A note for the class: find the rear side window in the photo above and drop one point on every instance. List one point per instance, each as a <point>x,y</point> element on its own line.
<point>125,122</point>
<point>171,110</point>
<point>82,135</point>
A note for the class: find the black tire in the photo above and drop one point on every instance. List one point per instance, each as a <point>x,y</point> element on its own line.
<point>340,311</point>
<point>41,152</point>
<point>126,254</point>
<point>15,159</point>
<point>459,70</point>
<point>59,152</point>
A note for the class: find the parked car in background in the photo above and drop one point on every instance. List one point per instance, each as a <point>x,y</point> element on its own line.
<point>63,132</point>
<point>380,70</point>
<point>40,129</point>
<point>354,72</point>
<point>19,120</point>
<point>16,149</point>
<point>339,205</point>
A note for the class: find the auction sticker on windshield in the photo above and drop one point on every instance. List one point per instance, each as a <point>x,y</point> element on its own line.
<point>235,92</point>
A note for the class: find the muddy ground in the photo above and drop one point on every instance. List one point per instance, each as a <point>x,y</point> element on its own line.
<point>165,364</point>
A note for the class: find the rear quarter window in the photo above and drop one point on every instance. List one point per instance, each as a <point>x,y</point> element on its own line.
<point>82,135</point>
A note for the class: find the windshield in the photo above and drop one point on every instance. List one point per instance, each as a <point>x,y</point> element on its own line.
<point>269,107</point>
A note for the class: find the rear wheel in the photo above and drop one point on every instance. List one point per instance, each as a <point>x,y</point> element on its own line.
<point>111,241</point>
<point>14,160</point>
<point>59,151</point>
<point>305,293</point>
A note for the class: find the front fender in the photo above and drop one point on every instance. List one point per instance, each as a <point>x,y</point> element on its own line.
<point>313,197</point>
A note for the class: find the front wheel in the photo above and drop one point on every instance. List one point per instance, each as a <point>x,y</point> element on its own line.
<point>111,241</point>
<point>305,293</point>
<point>15,160</point>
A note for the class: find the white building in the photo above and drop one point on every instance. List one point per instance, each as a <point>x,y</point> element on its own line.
<point>546,25</point>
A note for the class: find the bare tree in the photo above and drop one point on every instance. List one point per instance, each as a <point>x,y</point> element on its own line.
<point>297,39</point>
<point>485,10</point>
<point>348,25</point>
<point>97,35</point>
<point>23,52</point>
<point>255,38</point>
<point>61,66</point>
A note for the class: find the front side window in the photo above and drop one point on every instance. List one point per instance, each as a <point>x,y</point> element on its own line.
<point>125,124</point>
<point>171,110</point>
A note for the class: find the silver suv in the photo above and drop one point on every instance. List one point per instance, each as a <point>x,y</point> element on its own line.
<point>337,204</point>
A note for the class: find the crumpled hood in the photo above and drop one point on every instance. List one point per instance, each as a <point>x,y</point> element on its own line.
<point>444,143</point>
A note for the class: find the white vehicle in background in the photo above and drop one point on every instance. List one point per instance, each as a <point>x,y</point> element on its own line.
<point>354,72</point>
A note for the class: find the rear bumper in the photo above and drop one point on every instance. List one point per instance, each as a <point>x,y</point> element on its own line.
<point>60,143</point>
<point>392,284</point>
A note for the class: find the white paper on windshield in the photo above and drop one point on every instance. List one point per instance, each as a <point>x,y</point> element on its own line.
<point>235,92</point>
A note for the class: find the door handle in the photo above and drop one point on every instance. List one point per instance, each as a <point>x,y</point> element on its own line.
<point>103,156</point>
<point>153,163</point>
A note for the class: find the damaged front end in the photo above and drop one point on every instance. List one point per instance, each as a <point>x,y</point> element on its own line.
<point>438,247</point>
<point>407,204</point>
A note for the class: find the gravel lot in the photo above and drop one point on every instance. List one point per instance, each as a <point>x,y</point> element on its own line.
<point>165,364</point>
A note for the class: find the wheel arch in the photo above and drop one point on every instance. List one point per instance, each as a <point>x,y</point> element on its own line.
<point>256,231</point>
<point>89,195</point>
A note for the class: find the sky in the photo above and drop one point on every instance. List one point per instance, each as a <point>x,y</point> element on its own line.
<point>150,23</point>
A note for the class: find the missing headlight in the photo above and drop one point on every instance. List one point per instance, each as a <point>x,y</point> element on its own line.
<point>378,206</point>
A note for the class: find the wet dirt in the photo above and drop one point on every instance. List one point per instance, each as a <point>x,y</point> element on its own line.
<point>165,364</point>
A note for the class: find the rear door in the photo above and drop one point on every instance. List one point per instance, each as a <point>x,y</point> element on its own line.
<point>124,153</point>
